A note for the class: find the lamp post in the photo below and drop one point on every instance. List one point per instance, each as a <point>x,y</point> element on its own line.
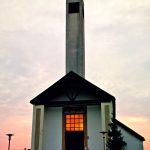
<point>9,139</point>
<point>103,133</point>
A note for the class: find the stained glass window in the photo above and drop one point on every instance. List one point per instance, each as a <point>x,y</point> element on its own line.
<point>74,122</point>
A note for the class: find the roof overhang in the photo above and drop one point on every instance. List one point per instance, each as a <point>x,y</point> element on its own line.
<point>141,138</point>
<point>69,83</point>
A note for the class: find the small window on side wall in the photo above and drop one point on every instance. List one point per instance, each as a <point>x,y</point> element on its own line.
<point>74,7</point>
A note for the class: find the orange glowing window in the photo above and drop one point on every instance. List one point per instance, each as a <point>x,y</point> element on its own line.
<point>74,122</point>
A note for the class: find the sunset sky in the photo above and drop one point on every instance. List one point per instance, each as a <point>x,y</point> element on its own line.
<point>32,57</point>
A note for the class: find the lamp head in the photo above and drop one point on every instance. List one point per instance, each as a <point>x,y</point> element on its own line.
<point>9,136</point>
<point>103,132</point>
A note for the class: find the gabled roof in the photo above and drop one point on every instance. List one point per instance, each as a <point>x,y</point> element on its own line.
<point>71,81</point>
<point>141,138</point>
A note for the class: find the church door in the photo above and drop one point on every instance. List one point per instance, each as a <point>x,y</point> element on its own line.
<point>74,131</point>
<point>74,140</point>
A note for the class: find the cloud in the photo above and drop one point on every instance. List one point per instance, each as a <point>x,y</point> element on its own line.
<point>33,14</point>
<point>32,54</point>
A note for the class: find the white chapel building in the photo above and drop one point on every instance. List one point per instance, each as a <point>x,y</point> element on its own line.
<point>71,113</point>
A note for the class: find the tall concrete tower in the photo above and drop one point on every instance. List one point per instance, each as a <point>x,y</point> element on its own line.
<point>75,53</point>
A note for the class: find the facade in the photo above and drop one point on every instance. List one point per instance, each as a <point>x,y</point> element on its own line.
<point>71,113</point>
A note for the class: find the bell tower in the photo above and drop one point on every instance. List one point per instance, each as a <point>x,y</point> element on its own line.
<point>75,53</point>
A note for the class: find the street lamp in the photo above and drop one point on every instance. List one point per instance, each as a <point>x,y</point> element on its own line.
<point>9,139</point>
<point>103,133</point>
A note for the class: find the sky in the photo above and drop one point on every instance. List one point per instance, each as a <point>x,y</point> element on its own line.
<point>32,58</point>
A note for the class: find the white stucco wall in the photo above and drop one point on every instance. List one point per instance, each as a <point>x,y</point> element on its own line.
<point>95,141</point>
<point>52,134</point>
<point>133,143</point>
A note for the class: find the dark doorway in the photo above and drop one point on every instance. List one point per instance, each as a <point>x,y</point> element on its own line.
<point>74,140</point>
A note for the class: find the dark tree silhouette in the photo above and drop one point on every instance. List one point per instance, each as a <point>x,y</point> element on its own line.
<point>115,139</point>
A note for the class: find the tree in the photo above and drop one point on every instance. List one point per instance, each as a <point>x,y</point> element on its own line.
<point>115,139</point>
